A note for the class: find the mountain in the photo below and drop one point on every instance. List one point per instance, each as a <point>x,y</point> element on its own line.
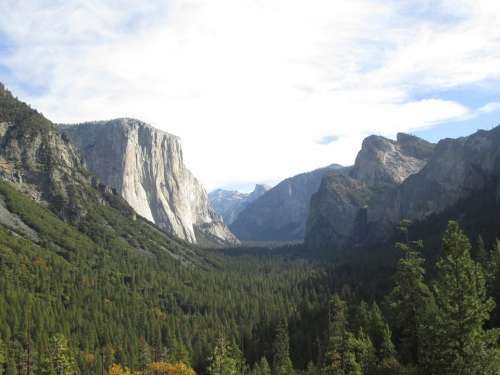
<point>229,203</point>
<point>280,214</point>
<point>383,161</point>
<point>441,176</point>
<point>40,161</point>
<point>458,168</point>
<point>145,166</point>
<point>41,170</point>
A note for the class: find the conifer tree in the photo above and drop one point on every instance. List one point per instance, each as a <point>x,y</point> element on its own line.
<point>340,358</point>
<point>379,332</point>
<point>144,354</point>
<point>462,345</point>
<point>282,364</point>
<point>493,281</point>
<point>362,348</point>
<point>226,359</point>
<point>3,357</point>
<point>409,298</point>
<point>262,367</point>
<point>60,360</point>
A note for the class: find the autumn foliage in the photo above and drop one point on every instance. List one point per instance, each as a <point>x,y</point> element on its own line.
<point>155,368</point>
<point>165,368</point>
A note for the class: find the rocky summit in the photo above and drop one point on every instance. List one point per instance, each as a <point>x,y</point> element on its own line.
<point>347,205</point>
<point>146,167</point>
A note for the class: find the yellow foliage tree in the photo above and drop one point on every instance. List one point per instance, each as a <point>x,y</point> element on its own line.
<point>165,368</point>
<point>119,370</point>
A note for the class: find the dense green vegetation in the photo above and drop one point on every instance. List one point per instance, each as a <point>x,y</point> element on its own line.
<point>106,297</point>
<point>85,298</point>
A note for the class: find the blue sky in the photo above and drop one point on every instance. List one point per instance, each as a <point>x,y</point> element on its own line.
<point>259,91</point>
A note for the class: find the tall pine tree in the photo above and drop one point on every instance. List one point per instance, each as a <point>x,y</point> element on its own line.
<point>409,298</point>
<point>461,344</point>
<point>282,364</point>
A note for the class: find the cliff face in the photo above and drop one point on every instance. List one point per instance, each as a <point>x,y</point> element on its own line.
<point>281,213</point>
<point>361,204</point>
<point>145,166</point>
<point>229,203</point>
<point>457,168</point>
<point>40,161</point>
<point>383,161</point>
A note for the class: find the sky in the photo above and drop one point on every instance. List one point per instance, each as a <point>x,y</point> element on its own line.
<point>259,90</point>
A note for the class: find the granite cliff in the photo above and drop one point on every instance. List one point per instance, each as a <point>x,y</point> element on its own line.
<point>281,213</point>
<point>347,209</point>
<point>146,167</point>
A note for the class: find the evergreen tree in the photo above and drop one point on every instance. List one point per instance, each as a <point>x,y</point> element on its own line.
<point>60,360</point>
<point>282,364</point>
<point>144,354</point>
<point>340,358</point>
<point>262,367</point>
<point>461,344</point>
<point>492,273</point>
<point>481,255</point>
<point>226,359</point>
<point>409,298</point>
<point>387,350</point>
<point>3,357</point>
<point>379,331</point>
<point>364,352</point>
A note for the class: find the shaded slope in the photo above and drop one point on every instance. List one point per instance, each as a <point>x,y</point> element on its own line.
<point>280,214</point>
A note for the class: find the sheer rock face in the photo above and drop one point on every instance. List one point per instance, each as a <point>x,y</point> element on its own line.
<point>281,213</point>
<point>384,161</point>
<point>350,208</point>
<point>457,168</point>
<point>229,203</point>
<point>145,166</point>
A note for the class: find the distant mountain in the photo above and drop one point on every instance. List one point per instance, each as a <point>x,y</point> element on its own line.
<point>229,203</point>
<point>281,213</point>
<point>145,166</point>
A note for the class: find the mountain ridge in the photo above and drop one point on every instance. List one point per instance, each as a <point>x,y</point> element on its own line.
<point>280,214</point>
<point>454,169</point>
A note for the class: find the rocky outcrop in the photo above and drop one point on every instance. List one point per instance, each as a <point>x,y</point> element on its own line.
<point>355,206</point>
<point>40,161</point>
<point>281,213</point>
<point>457,168</point>
<point>383,161</point>
<point>229,203</point>
<point>146,167</point>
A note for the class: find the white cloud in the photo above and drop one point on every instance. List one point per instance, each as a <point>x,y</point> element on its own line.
<point>251,86</point>
<point>490,107</point>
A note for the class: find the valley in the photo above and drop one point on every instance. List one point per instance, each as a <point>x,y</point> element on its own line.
<point>114,259</point>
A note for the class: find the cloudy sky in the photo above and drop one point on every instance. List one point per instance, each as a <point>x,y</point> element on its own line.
<point>259,90</point>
